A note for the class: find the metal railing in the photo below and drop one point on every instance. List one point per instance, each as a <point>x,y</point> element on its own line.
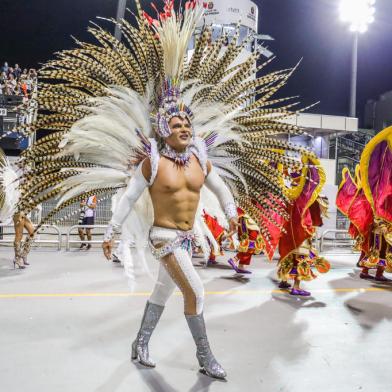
<point>103,212</point>
<point>70,241</point>
<point>37,240</point>
<point>346,239</point>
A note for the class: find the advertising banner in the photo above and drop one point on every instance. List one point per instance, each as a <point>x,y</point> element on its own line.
<point>231,11</point>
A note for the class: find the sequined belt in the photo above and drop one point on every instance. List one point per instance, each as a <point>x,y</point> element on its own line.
<point>171,239</point>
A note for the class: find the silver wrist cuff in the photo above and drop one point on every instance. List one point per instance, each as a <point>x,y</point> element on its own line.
<point>111,231</point>
<point>230,210</point>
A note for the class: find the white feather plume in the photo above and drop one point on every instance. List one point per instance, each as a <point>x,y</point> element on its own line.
<point>107,137</point>
<point>91,178</point>
<point>174,34</point>
<point>9,184</point>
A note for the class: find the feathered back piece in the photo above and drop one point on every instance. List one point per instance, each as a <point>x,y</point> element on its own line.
<point>9,193</point>
<point>99,99</point>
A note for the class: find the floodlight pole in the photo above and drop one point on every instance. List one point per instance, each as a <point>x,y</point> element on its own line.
<point>354,72</point>
<point>121,6</point>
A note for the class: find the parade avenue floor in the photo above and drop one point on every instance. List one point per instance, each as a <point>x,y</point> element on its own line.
<point>67,322</point>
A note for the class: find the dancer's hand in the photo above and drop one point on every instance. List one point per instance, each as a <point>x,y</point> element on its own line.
<point>233,226</point>
<point>107,249</point>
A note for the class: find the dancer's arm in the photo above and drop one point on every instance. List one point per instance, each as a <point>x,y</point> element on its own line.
<point>135,188</point>
<point>216,185</point>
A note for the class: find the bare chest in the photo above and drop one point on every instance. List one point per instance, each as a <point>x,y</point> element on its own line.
<point>172,178</point>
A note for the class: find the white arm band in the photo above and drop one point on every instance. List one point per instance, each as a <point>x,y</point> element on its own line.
<point>135,188</point>
<point>216,185</point>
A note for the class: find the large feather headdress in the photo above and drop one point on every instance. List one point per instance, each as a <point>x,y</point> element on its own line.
<point>98,100</point>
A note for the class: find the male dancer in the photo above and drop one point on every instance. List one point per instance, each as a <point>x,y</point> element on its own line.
<point>127,121</point>
<point>175,193</point>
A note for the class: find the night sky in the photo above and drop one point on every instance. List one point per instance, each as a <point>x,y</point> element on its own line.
<point>32,30</point>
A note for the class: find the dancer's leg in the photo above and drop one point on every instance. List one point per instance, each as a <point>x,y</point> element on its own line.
<point>365,273</point>
<point>18,226</point>
<point>238,262</point>
<point>180,268</point>
<point>380,274</point>
<point>296,290</point>
<point>27,245</point>
<point>81,236</point>
<point>163,289</point>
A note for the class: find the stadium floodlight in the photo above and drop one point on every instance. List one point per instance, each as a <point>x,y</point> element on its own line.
<point>357,13</point>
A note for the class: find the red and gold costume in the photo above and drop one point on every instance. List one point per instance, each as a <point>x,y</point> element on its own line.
<point>218,233</point>
<point>250,242</point>
<point>366,201</point>
<point>297,256</point>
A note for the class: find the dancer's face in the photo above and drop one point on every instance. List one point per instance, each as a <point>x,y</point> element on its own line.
<point>181,135</point>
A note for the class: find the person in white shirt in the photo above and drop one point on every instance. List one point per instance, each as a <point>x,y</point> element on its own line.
<point>87,217</point>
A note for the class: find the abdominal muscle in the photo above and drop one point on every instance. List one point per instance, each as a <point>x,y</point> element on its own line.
<point>175,194</point>
<point>175,211</point>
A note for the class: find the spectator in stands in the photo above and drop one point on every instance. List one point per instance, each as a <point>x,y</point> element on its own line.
<point>11,85</point>
<point>17,71</point>
<point>15,81</point>
<point>3,82</point>
<point>29,82</point>
<point>89,206</point>
<point>32,80</point>
<point>33,73</point>
<point>23,86</point>
<point>4,68</point>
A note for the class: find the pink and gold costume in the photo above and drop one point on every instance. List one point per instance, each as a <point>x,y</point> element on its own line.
<point>366,201</point>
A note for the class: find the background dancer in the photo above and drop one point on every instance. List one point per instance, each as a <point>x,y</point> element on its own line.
<point>297,255</point>
<point>250,243</point>
<point>9,198</point>
<point>365,201</point>
<point>22,222</point>
<point>219,234</point>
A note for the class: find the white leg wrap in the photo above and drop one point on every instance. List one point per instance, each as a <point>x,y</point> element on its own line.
<point>165,284</point>
<point>164,287</point>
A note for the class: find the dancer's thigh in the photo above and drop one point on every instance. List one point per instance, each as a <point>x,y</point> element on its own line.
<point>164,287</point>
<point>18,226</point>
<point>28,226</point>
<point>179,266</point>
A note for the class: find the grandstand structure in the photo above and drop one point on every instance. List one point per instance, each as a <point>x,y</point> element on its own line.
<point>14,111</point>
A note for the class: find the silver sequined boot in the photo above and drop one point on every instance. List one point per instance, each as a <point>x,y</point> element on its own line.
<point>209,365</point>
<point>152,314</point>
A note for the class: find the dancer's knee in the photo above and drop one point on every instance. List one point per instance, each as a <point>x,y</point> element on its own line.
<point>161,293</point>
<point>200,302</point>
<point>194,302</point>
